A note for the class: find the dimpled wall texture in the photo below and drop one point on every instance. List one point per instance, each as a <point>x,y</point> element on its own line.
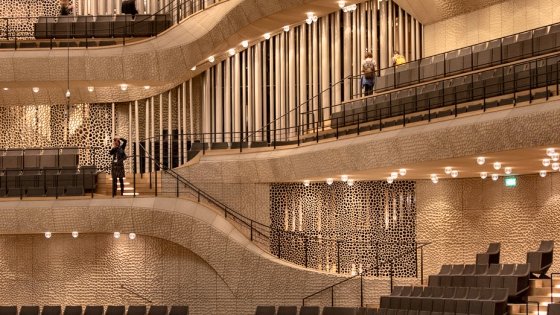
<point>461,217</point>
<point>506,18</point>
<point>23,8</point>
<point>373,221</point>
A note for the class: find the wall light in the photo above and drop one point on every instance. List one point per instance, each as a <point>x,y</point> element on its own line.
<point>306,183</point>
<point>266,36</point>
<point>330,181</point>
<point>124,87</point>
<point>495,177</point>
<point>67,94</point>
<point>448,170</point>
<point>90,89</point>
<point>35,89</point>
<point>245,43</point>
<point>395,175</point>
<point>497,165</point>
<point>286,28</point>
<point>131,235</point>
<point>117,235</point>
<point>48,234</point>
<point>211,59</point>
<point>483,175</point>
<point>480,160</point>
<point>507,170</point>
<point>309,20</point>
<point>454,173</point>
<point>402,171</point>
<point>390,180</point>
<point>350,182</point>
<point>231,51</point>
<point>75,234</point>
<point>546,162</point>
<point>555,157</point>
<point>344,178</point>
<point>542,173</point>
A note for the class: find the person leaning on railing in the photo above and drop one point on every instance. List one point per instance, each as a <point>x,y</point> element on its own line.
<point>129,7</point>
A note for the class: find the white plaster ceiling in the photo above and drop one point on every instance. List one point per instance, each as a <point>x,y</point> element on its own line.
<point>431,11</point>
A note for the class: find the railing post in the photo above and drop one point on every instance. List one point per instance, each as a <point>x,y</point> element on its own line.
<point>134,184</point>
<point>361,290</point>
<point>155,175</point>
<point>391,276</point>
<point>251,230</point>
<point>177,187</point>
<point>338,256</point>
<point>306,250</point>
<point>422,265</point>
<point>332,296</point>
<point>198,197</point>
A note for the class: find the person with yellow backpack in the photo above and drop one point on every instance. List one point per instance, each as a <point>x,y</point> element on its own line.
<point>398,59</point>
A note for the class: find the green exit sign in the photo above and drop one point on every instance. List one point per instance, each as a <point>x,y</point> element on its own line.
<point>511,181</point>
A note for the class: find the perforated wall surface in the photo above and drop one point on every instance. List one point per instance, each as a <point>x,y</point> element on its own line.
<point>33,8</point>
<point>340,228</point>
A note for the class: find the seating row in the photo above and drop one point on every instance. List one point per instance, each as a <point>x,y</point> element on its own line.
<point>487,301</point>
<point>53,43</point>
<point>314,310</point>
<point>22,159</point>
<point>491,53</point>
<point>48,182</point>
<point>514,278</point>
<point>85,26</point>
<point>95,310</point>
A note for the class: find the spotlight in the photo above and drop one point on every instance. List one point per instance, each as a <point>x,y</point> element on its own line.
<point>507,170</point>
<point>117,235</point>
<point>435,179</point>
<point>402,171</point>
<point>454,173</point>
<point>314,18</point>
<point>330,181</point>
<point>124,87</point>
<point>75,234</point>
<point>480,160</point>
<point>266,36</point>
<point>448,170</point>
<point>350,182</point>
<point>67,93</point>
<point>309,20</point>
<point>90,89</point>
<point>495,177</point>
<point>390,180</point>
<point>211,59</point>
<point>341,4</point>
<point>193,68</point>
<point>483,175</point>
<point>146,87</point>
<point>35,89</point>
<point>542,173</point>
<point>245,43</point>
<point>132,235</point>
<point>555,166</point>
<point>310,14</point>
<point>48,234</point>
<point>231,51</point>
<point>550,151</point>
<point>546,162</point>
<point>555,157</point>
<point>5,89</point>
<point>497,165</point>
<point>394,175</point>
<point>286,28</point>
<point>306,183</point>
<point>344,178</point>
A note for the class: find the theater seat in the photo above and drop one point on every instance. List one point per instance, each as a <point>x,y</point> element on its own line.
<point>29,310</point>
<point>492,255</point>
<point>8,310</point>
<point>51,310</point>
<point>157,310</point>
<point>309,310</point>
<point>73,310</point>
<point>265,310</point>
<point>136,310</point>
<point>287,310</point>
<point>179,310</point>
<point>539,261</point>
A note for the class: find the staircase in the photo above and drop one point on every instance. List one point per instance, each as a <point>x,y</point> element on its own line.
<point>142,182</point>
<point>539,292</point>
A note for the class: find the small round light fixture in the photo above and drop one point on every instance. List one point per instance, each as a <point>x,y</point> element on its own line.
<point>341,3</point>
<point>507,170</point>
<point>550,151</point>
<point>555,166</point>
<point>350,182</point>
<point>309,20</point>
<point>483,175</point>
<point>5,89</point>
<point>231,51</point>
<point>35,89</point>
<point>555,157</point>
<point>266,36</point>
<point>542,173</point>
<point>395,175</point>
<point>434,178</point>
<point>91,88</point>
<point>315,18</point>
<point>132,235</point>
<point>497,165</point>
<point>117,235</point>
<point>124,87</point>
<point>495,177</point>
<point>48,235</point>
<point>454,173</point>
<point>330,181</point>
<point>67,93</point>
<point>402,171</point>
<point>448,170</point>
<point>286,28</point>
<point>193,68</point>
<point>75,234</point>
<point>344,178</point>
<point>245,43</point>
<point>211,59</point>
<point>146,87</point>
<point>306,183</point>
<point>480,160</point>
<point>546,162</point>
<point>390,180</point>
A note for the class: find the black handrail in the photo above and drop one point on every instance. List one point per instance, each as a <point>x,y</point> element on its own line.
<point>331,287</point>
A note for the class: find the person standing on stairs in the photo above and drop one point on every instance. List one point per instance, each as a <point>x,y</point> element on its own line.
<point>117,163</point>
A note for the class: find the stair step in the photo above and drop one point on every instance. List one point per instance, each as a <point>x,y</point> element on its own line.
<point>520,308</point>
<point>544,283</point>
<point>545,291</point>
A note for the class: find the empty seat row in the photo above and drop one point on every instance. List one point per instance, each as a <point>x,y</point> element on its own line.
<point>491,53</point>
<point>101,26</point>
<point>54,43</point>
<point>95,310</point>
<point>513,277</point>
<point>21,159</point>
<point>451,300</point>
<point>314,310</point>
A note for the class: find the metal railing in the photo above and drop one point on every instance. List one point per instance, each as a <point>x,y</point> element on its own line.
<point>123,26</point>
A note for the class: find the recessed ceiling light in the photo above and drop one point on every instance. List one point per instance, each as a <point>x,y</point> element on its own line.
<point>75,234</point>
<point>542,173</point>
<point>35,89</point>
<point>231,51</point>
<point>286,28</point>
<point>402,171</point>
<point>495,177</point>
<point>395,175</point>
<point>454,173</point>
<point>497,165</point>
<point>245,43</point>
<point>90,88</point>
<point>117,235</point>
<point>211,59</point>
<point>146,87</point>
<point>350,182</point>
<point>5,89</point>
<point>124,86</point>
<point>306,183</point>
<point>344,178</point>
<point>132,235</point>
<point>546,162</point>
<point>193,68</point>
<point>48,234</point>
<point>483,175</point>
<point>507,170</point>
<point>448,170</point>
<point>266,36</point>
<point>330,181</point>
<point>480,160</point>
<point>390,180</point>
